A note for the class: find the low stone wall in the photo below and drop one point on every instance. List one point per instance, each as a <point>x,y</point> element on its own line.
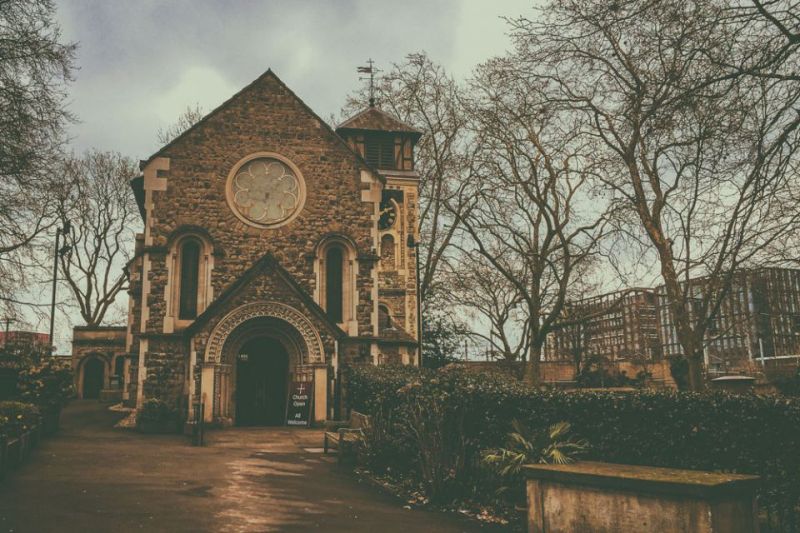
<point>605,497</point>
<point>563,372</point>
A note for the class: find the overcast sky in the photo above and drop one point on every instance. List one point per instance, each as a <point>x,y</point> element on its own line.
<point>142,62</point>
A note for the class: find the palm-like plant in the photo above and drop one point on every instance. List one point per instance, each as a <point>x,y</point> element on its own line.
<point>551,446</point>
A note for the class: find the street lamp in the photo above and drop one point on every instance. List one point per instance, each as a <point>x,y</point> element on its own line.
<point>412,243</point>
<point>58,252</point>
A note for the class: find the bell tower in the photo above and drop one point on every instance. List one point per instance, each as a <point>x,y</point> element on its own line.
<point>387,145</point>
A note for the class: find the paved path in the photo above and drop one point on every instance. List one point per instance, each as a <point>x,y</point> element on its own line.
<point>91,477</point>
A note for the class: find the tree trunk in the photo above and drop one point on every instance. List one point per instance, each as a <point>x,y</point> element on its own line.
<point>696,381</point>
<point>531,375</point>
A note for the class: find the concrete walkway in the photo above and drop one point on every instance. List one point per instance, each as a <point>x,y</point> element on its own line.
<point>91,477</point>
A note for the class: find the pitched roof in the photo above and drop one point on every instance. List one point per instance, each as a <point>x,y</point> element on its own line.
<point>375,119</point>
<point>396,333</point>
<point>268,260</point>
<point>226,103</point>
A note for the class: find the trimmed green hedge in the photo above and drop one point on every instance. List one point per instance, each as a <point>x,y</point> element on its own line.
<point>451,415</point>
<point>16,418</point>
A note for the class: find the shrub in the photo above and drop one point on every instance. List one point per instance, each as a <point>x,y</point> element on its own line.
<point>372,390</point>
<point>155,412</point>
<point>47,385</point>
<point>454,414</point>
<point>553,445</point>
<point>16,418</point>
<point>788,385</point>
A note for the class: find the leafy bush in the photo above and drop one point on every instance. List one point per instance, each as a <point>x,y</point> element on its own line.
<point>16,418</point>
<point>553,445</point>
<point>788,385</point>
<point>48,385</point>
<point>453,414</point>
<point>373,391</point>
<point>156,412</point>
<point>525,447</point>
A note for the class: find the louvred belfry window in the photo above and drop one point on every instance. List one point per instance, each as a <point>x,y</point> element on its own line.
<point>379,151</point>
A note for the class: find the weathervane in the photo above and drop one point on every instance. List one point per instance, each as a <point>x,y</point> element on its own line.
<point>371,70</point>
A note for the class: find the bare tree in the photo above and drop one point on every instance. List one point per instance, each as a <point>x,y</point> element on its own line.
<point>533,215</point>
<point>98,200</point>
<point>188,118</point>
<point>488,297</point>
<point>573,331</point>
<point>422,94</point>
<point>769,34</point>
<point>35,67</point>
<point>695,149</point>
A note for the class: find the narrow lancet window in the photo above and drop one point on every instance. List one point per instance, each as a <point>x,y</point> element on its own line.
<point>334,281</point>
<point>190,268</point>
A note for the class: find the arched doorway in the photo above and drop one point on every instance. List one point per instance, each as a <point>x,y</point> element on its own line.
<point>262,370</point>
<point>93,373</point>
<point>285,333</point>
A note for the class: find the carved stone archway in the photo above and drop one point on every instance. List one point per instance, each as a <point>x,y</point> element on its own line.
<point>238,316</point>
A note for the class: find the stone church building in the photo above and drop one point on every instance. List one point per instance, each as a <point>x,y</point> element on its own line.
<point>275,249</point>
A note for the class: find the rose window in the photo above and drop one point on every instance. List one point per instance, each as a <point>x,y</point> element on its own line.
<point>266,191</point>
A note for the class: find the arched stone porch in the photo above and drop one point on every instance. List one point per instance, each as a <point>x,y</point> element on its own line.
<point>276,321</point>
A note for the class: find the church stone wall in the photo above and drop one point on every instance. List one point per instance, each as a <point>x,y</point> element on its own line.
<point>183,191</point>
<point>264,117</point>
<point>166,370</point>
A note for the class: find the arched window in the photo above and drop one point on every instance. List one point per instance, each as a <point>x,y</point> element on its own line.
<point>190,270</point>
<point>384,318</point>
<point>334,283</point>
<point>190,264</point>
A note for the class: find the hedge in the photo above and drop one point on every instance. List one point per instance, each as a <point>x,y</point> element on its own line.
<point>449,416</point>
<point>48,385</point>
<point>16,418</point>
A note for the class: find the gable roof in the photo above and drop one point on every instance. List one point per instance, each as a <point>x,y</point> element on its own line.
<point>396,333</point>
<point>267,260</point>
<point>375,119</point>
<point>271,75</point>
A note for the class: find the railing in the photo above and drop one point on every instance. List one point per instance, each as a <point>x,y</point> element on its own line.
<point>15,451</point>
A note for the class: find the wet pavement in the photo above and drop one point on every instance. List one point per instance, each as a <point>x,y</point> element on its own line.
<point>91,477</point>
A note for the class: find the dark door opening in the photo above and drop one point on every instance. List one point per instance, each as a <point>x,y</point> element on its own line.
<point>119,369</point>
<point>92,378</point>
<point>262,368</point>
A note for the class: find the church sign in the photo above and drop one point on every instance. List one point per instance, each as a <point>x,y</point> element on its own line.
<point>298,404</point>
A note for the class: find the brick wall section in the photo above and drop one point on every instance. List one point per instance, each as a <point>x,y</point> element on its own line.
<point>563,371</point>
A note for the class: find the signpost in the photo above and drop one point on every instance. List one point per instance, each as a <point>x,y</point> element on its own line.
<point>298,404</point>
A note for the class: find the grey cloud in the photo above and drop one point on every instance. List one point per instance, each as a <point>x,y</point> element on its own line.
<point>142,62</point>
